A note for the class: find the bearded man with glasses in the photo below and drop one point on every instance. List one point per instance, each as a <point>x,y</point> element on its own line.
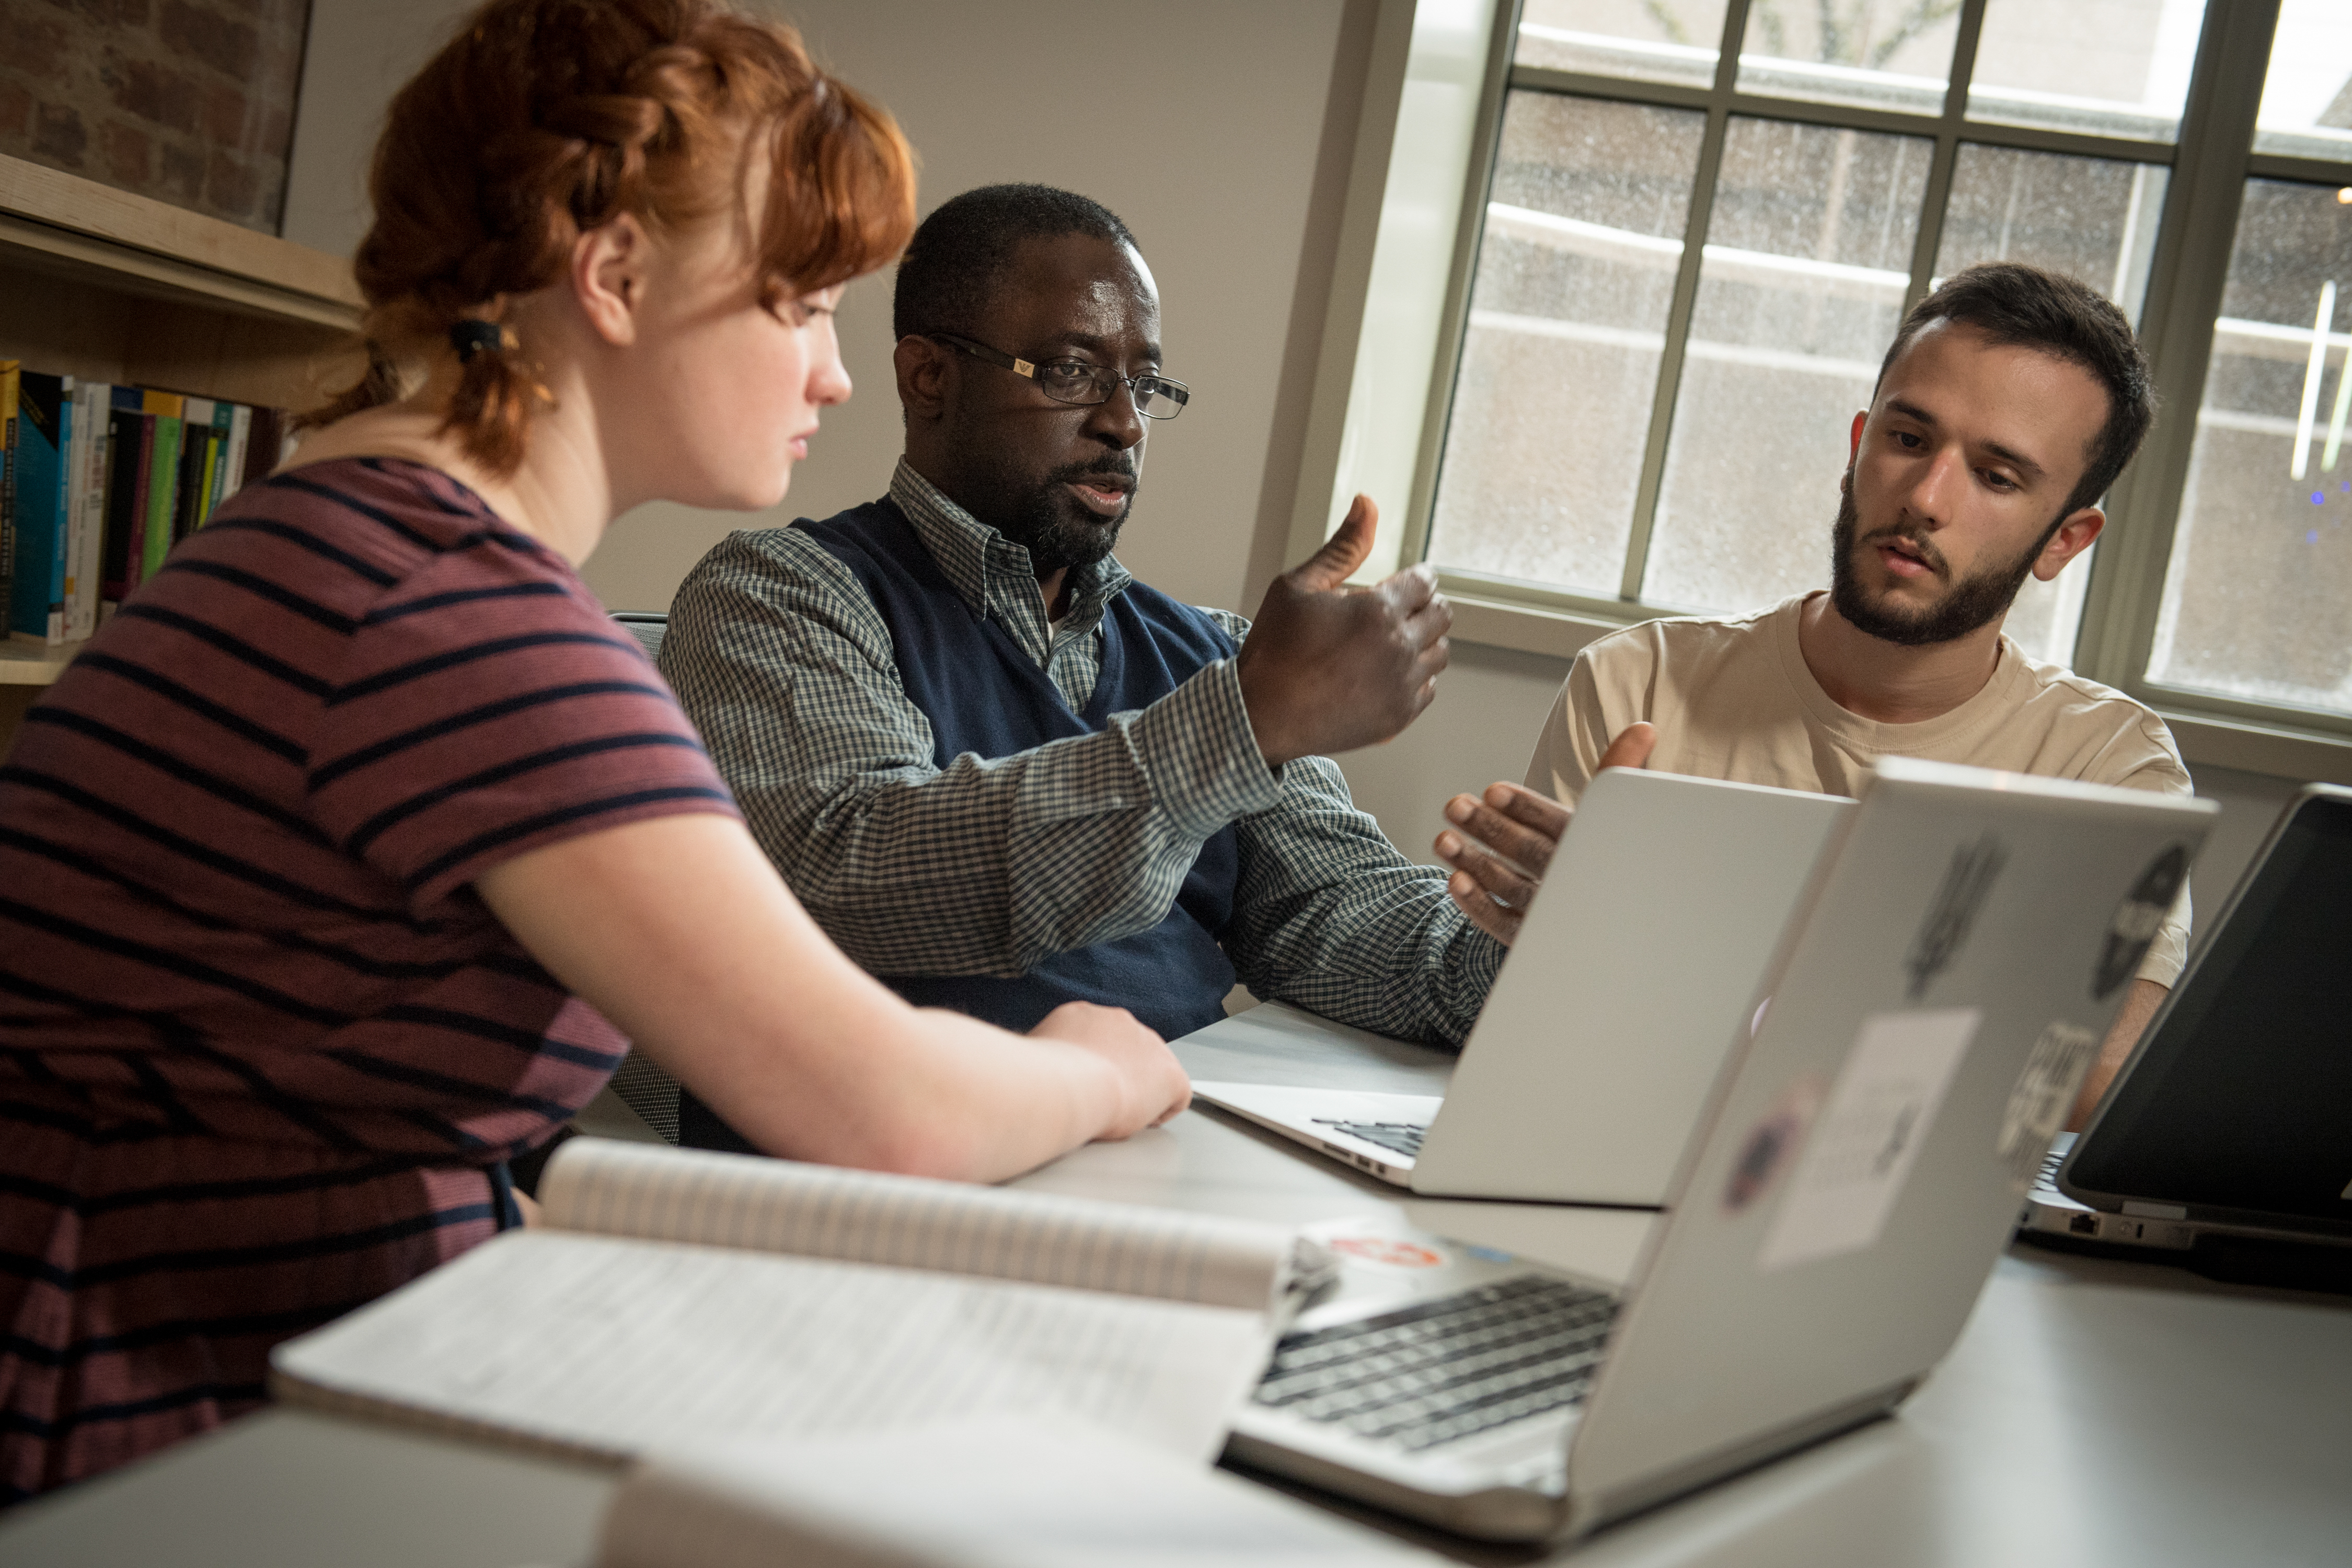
<point>1005,775</point>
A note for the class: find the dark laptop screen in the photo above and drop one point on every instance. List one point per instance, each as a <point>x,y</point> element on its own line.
<point>2242,1100</point>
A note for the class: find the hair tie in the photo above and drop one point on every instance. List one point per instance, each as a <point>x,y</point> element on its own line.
<point>472,337</point>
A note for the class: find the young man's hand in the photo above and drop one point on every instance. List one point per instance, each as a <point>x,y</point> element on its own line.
<point>1501,844</point>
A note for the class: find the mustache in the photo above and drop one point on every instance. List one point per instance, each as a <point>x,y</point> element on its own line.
<point>1916,539</point>
<point>1110,466</point>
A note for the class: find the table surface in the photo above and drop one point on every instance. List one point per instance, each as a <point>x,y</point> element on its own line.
<point>2093,1413</point>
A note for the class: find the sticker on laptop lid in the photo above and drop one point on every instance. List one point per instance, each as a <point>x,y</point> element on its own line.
<point>2139,919</point>
<point>1765,1152</point>
<point>1388,1251</point>
<point>2045,1092</point>
<point>1868,1135</point>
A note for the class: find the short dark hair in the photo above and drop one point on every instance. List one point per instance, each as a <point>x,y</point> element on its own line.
<point>962,249</point>
<point>2015,304</point>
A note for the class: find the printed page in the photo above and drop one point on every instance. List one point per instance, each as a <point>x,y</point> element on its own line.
<point>618,1347</point>
<point>820,1211</point>
<point>986,1493</point>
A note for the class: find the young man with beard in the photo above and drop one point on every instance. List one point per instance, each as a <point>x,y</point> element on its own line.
<point>2009,402</point>
<point>1003,775</point>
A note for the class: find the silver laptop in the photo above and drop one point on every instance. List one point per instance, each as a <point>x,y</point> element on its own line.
<point>1856,1168</point>
<point>1594,1054</point>
<point>2228,1121</point>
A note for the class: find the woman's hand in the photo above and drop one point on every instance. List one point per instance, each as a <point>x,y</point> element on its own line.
<point>1151,1082</point>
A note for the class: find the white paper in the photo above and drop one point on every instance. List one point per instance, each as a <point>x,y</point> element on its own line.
<point>621,1346</point>
<point>820,1211</point>
<point>987,1493</point>
<point>1868,1135</point>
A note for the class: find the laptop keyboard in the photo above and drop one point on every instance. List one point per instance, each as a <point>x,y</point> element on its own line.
<point>1396,1137</point>
<point>1446,1368</point>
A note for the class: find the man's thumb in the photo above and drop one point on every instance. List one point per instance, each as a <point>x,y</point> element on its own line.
<point>1342,553</point>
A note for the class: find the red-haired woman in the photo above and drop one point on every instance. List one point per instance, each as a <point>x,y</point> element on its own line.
<point>345,861</point>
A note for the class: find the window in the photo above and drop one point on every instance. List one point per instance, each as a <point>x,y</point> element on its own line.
<point>1690,257</point>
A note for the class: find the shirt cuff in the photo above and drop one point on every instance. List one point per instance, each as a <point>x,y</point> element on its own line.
<point>1201,756</point>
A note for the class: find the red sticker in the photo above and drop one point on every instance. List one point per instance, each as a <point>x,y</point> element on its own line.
<point>1384,1249</point>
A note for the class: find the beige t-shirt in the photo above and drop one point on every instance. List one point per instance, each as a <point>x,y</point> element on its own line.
<point>1733,698</point>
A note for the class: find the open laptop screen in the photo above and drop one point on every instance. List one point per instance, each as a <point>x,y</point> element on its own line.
<point>2240,1099</point>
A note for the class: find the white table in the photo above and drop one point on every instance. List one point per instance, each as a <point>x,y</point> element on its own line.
<point>2095,1415</point>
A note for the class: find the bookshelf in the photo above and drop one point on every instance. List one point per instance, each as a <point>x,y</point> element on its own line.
<point>102,283</point>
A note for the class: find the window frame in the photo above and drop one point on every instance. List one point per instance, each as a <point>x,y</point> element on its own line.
<point>2208,165</point>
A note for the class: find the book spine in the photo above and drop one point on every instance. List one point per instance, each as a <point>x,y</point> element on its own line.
<point>39,606</point>
<point>217,457</point>
<point>94,428</point>
<point>233,461</point>
<point>187,500</point>
<point>76,492</point>
<point>10,375</point>
<point>122,427</point>
<point>267,448</point>
<point>162,494</point>
<point>135,571</point>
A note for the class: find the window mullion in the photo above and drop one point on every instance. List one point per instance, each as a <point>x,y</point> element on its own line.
<point>1946,153</point>
<point>1678,314</point>
<point>2186,281</point>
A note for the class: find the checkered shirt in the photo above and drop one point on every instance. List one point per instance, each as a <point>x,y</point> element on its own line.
<point>987,865</point>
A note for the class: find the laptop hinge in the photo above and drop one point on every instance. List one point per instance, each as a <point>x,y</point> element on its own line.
<point>1585,1514</point>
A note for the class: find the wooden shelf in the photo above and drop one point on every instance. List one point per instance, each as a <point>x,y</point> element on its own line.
<point>79,228</point>
<point>102,284</point>
<point>23,662</point>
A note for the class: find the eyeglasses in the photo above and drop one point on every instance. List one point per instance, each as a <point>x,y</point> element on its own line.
<point>1076,380</point>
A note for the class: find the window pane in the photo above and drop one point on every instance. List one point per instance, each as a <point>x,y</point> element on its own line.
<point>2308,96</point>
<point>1654,40</point>
<point>2105,68</point>
<point>2258,598</point>
<point>2091,218</point>
<point>1880,54</point>
<point>1801,291</point>
<point>1567,316</point>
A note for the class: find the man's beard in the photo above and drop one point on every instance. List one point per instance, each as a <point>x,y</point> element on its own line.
<point>1967,604</point>
<point>1057,529</point>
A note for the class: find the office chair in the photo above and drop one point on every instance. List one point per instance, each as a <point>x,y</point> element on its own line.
<point>639,1084</point>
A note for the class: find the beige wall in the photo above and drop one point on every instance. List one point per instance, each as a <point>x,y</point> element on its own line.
<point>1221,133</point>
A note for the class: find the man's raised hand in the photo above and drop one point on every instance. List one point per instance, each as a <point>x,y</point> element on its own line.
<point>1501,844</point>
<point>1328,668</point>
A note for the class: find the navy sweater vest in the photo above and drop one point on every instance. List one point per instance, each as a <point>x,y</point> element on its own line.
<point>983,695</point>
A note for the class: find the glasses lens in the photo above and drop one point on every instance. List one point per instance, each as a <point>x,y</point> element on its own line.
<point>1069,381</point>
<point>1156,399</point>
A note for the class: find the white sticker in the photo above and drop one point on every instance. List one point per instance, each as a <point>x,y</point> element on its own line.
<point>2045,1093</point>
<point>1868,1136</point>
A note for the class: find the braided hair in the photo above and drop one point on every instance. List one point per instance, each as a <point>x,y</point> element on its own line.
<point>543,119</point>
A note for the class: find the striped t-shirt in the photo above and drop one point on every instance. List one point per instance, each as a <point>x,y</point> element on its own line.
<point>259,1039</point>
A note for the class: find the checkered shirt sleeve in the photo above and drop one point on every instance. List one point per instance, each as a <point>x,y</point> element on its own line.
<point>986,867</point>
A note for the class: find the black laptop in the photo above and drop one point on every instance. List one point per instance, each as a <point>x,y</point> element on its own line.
<point>2227,1141</point>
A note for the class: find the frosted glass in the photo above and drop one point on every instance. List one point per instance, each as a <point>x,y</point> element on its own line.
<point>1878,53</point>
<point>2258,596</point>
<point>1799,293</point>
<point>2103,67</point>
<point>1560,364</point>
<point>1651,40</point>
<point>2091,218</point>
<point>2306,109</point>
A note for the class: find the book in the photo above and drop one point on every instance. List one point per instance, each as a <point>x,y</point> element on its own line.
<point>188,488</point>
<point>86,506</point>
<point>998,1492</point>
<point>168,411</point>
<point>675,1295</point>
<point>11,372</point>
<point>232,455</point>
<point>44,438</point>
<point>126,507</point>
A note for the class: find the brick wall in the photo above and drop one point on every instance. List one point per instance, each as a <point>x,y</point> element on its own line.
<point>189,101</point>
